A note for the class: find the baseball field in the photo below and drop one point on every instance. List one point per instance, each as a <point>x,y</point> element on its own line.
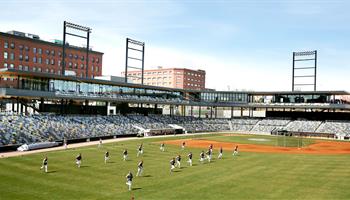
<point>263,169</point>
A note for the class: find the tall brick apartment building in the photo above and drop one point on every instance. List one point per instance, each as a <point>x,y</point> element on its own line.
<point>171,77</point>
<point>28,53</point>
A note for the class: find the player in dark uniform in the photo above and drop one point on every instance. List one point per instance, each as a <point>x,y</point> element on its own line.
<point>172,164</point>
<point>140,168</point>
<point>235,151</point>
<point>78,160</point>
<point>129,178</point>
<point>106,156</point>
<point>44,165</point>
<point>178,161</point>
<point>162,147</point>
<point>220,153</point>
<point>140,150</point>
<point>201,157</point>
<point>183,145</point>
<point>125,154</point>
<point>190,155</point>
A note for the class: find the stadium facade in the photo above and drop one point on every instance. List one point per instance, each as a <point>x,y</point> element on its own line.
<point>45,92</point>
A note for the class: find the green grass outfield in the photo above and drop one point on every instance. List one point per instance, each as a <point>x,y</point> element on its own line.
<point>247,176</point>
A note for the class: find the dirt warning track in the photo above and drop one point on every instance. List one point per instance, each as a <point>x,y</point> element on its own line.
<point>320,147</point>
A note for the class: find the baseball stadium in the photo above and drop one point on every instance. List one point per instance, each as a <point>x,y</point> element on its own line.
<point>67,134</point>
<point>274,145</point>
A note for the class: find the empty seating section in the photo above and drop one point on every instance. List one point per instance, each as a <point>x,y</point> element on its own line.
<point>243,124</point>
<point>268,125</point>
<point>303,126</point>
<point>19,129</point>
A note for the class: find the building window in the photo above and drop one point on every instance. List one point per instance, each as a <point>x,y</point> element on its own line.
<point>82,58</point>
<point>52,52</point>
<point>81,66</point>
<point>40,60</point>
<point>12,56</point>
<point>20,57</point>
<point>40,51</point>
<point>26,48</point>
<point>20,67</point>
<point>52,71</point>
<point>52,61</point>
<point>6,45</point>
<point>59,72</point>
<point>92,68</point>
<point>96,68</point>
<point>34,69</point>
<point>97,60</point>
<point>59,54</point>
<point>26,58</point>
<point>59,63</point>
<point>34,50</point>
<point>76,56</point>
<point>70,56</point>
<point>12,45</point>
<point>20,47</point>
<point>39,69</point>
<point>75,65</point>
<point>93,59</point>
<point>25,68</point>
<point>5,65</point>
<point>47,52</point>
<point>47,61</point>
<point>34,59</point>
<point>5,55</point>
<point>70,65</point>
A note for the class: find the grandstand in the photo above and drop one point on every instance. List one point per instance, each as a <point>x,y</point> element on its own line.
<point>58,107</point>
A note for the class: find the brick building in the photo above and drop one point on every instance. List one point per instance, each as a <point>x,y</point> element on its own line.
<point>28,53</point>
<point>171,77</point>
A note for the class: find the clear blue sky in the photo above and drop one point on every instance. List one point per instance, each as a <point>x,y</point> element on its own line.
<point>241,44</point>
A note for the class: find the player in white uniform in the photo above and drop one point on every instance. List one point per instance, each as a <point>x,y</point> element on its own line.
<point>190,155</point>
<point>172,164</point>
<point>100,143</point>
<point>208,155</point>
<point>235,151</point>
<point>65,143</point>
<point>178,161</point>
<point>201,157</point>
<point>44,165</point>
<point>220,153</point>
<point>140,168</point>
<point>129,178</point>
<point>140,150</point>
<point>183,145</point>
<point>162,147</point>
<point>106,156</point>
<point>78,160</point>
<point>125,154</point>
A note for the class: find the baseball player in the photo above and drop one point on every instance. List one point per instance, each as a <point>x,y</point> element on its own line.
<point>183,145</point>
<point>140,150</point>
<point>125,154</point>
<point>140,168</point>
<point>65,143</point>
<point>178,161</point>
<point>129,178</point>
<point>78,160</point>
<point>201,157</point>
<point>190,155</point>
<point>208,155</point>
<point>211,148</point>
<point>172,164</point>
<point>220,153</point>
<point>106,156</point>
<point>162,147</point>
<point>44,165</point>
<point>235,151</point>
<point>100,143</point>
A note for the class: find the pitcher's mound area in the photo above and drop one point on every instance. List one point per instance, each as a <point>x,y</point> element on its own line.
<point>320,147</point>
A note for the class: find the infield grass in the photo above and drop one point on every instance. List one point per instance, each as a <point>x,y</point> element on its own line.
<point>247,176</point>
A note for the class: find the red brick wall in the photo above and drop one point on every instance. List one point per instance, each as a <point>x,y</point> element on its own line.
<point>56,65</point>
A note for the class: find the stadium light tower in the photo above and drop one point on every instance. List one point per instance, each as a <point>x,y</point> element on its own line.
<point>133,50</point>
<point>87,37</point>
<point>304,72</point>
